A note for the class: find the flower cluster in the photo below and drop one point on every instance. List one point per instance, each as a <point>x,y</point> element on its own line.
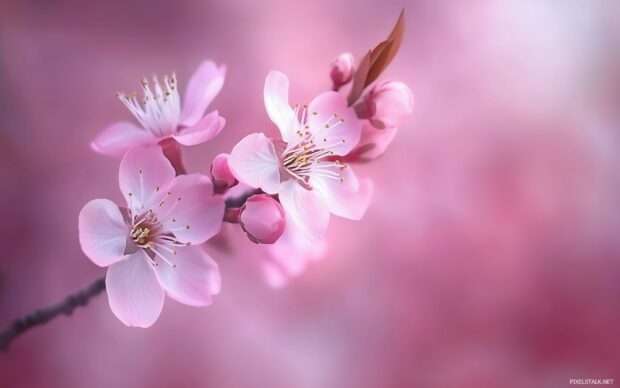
<point>280,191</point>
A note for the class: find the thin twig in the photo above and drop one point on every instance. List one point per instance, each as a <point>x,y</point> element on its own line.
<point>80,298</point>
<point>236,202</point>
<point>42,316</point>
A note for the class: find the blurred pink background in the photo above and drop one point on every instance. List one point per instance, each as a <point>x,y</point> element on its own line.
<point>489,257</point>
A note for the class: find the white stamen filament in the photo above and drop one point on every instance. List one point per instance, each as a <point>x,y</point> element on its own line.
<point>161,256</point>
<point>306,157</point>
<point>161,109</point>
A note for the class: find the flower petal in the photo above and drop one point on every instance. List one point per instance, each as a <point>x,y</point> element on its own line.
<point>102,232</point>
<point>195,278</point>
<point>143,176</point>
<point>134,294</point>
<point>197,215</point>
<point>204,85</point>
<point>116,139</point>
<point>373,143</point>
<point>334,122</point>
<point>349,198</point>
<point>254,162</point>
<point>206,129</point>
<point>305,208</point>
<point>276,103</point>
<point>289,256</point>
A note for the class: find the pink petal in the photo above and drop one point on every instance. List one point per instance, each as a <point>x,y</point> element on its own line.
<point>134,294</point>
<point>349,198</point>
<point>145,173</point>
<point>326,105</point>
<point>373,143</point>
<point>204,85</point>
<point>289,256</point>
<point>195,278</point>
<point>198,215</point>
<point>254,162</point>
<point>205,130</point>
<point>305,208</point>
<point>276,103</point>
<point>116,139</point>
<point>102,232</point>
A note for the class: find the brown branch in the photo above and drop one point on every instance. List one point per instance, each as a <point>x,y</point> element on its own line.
<point>44,315</point>
<point>82,297</point>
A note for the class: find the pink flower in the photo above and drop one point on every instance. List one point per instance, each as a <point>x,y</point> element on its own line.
<point>150,246</point>
<point>341,71</point>
<point>262,219</point>
<point>160,114</point>
<point>387,104</point>
<point>290,255</point>
<point>304,167</point>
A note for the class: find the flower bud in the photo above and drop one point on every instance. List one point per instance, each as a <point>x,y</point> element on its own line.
<point>223,178</point>
<point>387,104</point>
<point>342,70</point>
<point>262,218</point>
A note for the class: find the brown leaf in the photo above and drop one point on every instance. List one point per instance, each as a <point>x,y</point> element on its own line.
<point>389,51</point>
<point>359,79</point>
<point>377,60</point>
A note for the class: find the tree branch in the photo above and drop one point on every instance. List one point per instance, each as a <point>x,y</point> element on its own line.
<point>42,316</point>
<point>80,298</point>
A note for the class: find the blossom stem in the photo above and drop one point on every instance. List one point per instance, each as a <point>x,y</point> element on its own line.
<point>44,315</point>
<point>172,152</point>
<point>237,202</point>
<point>232,215</point>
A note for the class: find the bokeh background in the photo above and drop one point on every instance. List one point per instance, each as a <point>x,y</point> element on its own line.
<point>490,256</point>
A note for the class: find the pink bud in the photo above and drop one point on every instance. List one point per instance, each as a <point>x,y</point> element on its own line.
<point>222,176</point>
<point>262,218</point>
<point>342,70</point>
<point>387,104</point>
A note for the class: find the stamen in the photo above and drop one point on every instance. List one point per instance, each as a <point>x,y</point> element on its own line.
<point>161,256</point>
<point>161,109</point>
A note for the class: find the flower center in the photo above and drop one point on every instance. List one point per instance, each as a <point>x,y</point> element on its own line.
<point>155,231</point>
<point>145,229</point>
<point>312,154</point>
<point>160,108</point>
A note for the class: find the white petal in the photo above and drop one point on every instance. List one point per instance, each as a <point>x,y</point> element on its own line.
<point>116,139</point>
<point>254,162</point>
<point>135,296</point>
<point>206,129</point>
<point>198,215</point>
<point>102,232</point>
<point>343,130</point>
<point>277,106</point>
<point>305,208</point>
<point>349,198</point>
<point>145,173</point>
<point>195,278</point>
<point>205,84</point>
